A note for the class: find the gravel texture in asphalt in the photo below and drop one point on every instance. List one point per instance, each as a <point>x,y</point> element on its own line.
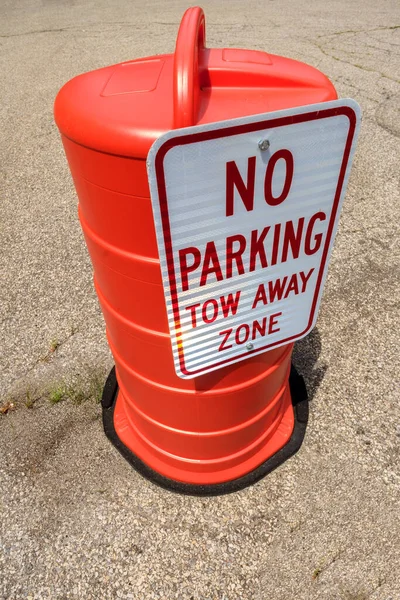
<point>76,522</point>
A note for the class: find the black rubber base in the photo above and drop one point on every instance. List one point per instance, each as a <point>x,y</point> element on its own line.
<point>300,405</point>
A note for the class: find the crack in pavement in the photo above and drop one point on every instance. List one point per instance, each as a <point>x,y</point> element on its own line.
<point>387,115</point>
<point>11,35</point>
<point>355,31</point>
<point>88,27</point>
<point>357,66</point>
<point>44,359</point>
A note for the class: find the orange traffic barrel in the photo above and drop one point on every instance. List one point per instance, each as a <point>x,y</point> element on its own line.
<point>223,430</point>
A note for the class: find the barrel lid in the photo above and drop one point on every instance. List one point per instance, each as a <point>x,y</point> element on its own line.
<point>124,108</point>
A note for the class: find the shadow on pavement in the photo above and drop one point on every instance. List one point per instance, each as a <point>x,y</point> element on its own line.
<point>305,358</point>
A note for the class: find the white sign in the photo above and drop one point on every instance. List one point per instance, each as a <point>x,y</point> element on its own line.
<point>246,213</point>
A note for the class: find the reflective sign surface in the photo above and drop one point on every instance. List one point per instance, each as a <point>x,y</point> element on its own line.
<point>246,213</point>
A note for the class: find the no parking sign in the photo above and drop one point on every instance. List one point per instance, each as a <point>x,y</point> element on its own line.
<point>246,213</point>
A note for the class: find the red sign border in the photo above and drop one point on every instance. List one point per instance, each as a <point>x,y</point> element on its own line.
<point>202,136</point>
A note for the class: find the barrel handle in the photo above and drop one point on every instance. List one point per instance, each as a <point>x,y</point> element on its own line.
<point>190,40</point>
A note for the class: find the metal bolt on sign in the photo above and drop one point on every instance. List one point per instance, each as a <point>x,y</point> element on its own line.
<point>264,145</point>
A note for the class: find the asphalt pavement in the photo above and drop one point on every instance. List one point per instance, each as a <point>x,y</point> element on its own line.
<point>76,522</point>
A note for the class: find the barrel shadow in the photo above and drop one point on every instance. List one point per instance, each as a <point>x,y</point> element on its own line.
<point>305,358</point>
